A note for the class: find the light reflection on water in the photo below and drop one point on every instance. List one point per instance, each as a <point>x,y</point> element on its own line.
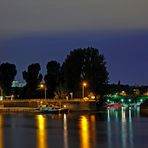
<point>123,127</point>
<point>65,131</point>
<point>93,129</point>
<point>1,131</point>
<point>107,129</point>
<point>87,131</point>
<point>41,132</point>
<point>84,132</point>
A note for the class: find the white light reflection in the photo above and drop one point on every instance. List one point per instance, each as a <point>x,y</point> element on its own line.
<point>108,115</point>
<point>123,129</point>
<point>130,129</point>
<point>65,132</point>
<point>123,115</point>
<point>109,132</point>
<point>120,133</point>
<point>41,132</point>
<point>138,111</point>
<point>117,116</point>
<point>117,125</point>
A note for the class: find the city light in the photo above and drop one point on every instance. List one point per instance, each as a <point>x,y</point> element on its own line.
<point>122,100</point>
<point>123,93</point>
<point>84,132</point>
<point>43,86</point>
<point>41,132</point>
<point>84,84</point>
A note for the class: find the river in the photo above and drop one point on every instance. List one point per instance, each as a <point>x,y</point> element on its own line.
<point>102,129</point>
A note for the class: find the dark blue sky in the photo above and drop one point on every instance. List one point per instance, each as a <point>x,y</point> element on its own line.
<point>44,30</point>
<point>126,52</point>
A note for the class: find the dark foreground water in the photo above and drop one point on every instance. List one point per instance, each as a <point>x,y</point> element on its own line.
<point>104,129</point>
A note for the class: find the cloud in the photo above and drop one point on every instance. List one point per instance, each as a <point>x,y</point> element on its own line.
<point>25,16</point>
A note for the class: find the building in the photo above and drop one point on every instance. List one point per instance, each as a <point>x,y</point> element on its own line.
<point>18,84</point>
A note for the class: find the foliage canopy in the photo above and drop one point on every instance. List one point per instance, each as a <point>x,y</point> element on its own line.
<point>52,77</point>
<point>33,79</point>
<point>85,64</point>
<point>7,74</point>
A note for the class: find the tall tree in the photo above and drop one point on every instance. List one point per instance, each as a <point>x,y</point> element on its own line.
<point>33,79</point>
<point>7,74</point>
<point>85,64</point>
<point>52,77</point>
<point>33,76</point>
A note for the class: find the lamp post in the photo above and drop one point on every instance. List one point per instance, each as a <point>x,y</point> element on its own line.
<point>44,86</point>
<point>84,84</point>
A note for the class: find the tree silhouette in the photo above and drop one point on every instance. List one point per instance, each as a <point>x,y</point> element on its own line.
<point>33,79</point>
<point>85,64</point>
<point>7,74</point>
<point>52,77</point>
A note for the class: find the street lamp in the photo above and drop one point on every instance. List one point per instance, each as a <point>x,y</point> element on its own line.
<point>84,84</point>
<point>43,86</point>
<point>1,93</point>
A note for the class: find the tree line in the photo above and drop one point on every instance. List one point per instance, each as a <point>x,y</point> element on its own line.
<point>82,64</point>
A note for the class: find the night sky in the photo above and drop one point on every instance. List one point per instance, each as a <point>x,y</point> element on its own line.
<point>43,30</point>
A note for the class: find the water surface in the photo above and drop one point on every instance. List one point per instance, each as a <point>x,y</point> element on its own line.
<point>103,129</point>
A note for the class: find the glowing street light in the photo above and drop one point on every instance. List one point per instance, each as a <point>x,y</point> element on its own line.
<point>84,84</point>
<point>1,93</point>
<point>129,100</point>
<point>43,86</point>
<point>122,100</point>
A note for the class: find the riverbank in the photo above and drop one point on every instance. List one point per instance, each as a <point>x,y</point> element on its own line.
<point>17,109</point>
<point>32,104</point>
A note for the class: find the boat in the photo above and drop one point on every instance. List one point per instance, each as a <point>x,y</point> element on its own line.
<point>52,109</point>
<point>113,105</point>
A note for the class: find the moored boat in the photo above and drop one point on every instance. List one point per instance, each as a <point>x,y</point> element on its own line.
<point>113,105</point>
<point>52,109</point>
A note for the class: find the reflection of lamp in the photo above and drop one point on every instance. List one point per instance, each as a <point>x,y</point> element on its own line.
<point>41,132</point>
<point>84,132</point>
<point>1,131</point>
<point>65,132</point>
<point>84,84</point>
<point>43,86</point>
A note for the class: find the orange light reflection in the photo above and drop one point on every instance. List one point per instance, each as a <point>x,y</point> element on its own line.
<point>84,133</point>
<point>41,132</point>
<point>1,131</point>
<point>93,130</point>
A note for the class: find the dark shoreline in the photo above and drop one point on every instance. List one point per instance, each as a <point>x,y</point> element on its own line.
<point>32,104</point>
